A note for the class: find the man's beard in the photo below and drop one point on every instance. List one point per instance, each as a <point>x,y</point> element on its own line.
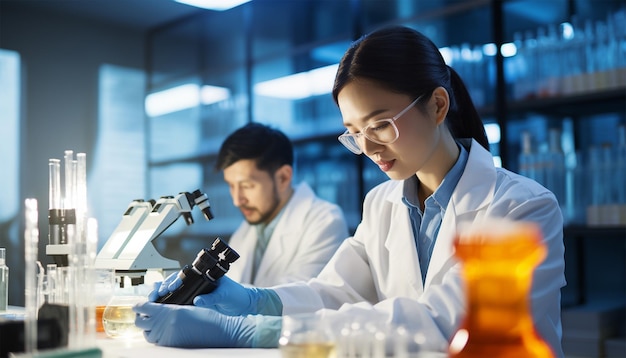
<point>265,216</point>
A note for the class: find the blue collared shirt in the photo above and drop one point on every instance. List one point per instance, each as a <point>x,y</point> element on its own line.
<point>264,233</point>
<point>426,224</point>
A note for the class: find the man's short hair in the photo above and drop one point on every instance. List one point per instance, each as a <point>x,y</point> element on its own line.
<point>268,147</point>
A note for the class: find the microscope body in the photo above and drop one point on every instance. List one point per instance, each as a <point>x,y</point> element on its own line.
<point>130,250</point>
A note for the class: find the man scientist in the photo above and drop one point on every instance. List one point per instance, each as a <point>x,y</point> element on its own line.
<point>288,233</point>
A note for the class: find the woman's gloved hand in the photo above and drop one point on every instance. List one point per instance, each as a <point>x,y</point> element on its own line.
<point>193,327</point>
<point>171,283</point>
<point>233,299</point>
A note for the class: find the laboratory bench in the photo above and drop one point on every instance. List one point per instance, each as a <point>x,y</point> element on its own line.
<point>139,347</point>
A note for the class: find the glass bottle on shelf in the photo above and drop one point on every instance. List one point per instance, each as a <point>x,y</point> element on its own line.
<point>604,59</point>
<point>532,73</point>
<point>525,160</point>
<point>579,193</point>
<point>589,83</point>
<point>609,211</point>
<point>595,186</point>
<point>599,212</point>
<point>620,177</point>
<point>544,66</point>
<point>516,68</point>
<point>573,57</point>
<point>549,67</point>
<point>618,19</point>
<point>555,167</point>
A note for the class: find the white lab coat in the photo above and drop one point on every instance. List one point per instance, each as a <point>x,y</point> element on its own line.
<point>307,235</point>
<point>379,266</point>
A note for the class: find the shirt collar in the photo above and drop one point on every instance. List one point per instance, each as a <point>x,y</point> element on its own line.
<point>444,192</point>
<point>265,231</point>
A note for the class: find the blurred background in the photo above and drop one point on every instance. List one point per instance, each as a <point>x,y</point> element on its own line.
<point>148,89</point>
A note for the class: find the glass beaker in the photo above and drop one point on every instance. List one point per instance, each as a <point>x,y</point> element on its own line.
<point>306,336</point>
<point>118,318</point>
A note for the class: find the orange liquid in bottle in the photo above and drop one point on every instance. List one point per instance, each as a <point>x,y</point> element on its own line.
<point>497,267</point>
<point>99,313</point>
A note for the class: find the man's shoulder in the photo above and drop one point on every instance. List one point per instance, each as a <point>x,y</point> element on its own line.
<point>307,201</point>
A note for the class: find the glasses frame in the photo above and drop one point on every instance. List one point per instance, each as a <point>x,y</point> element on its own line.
<point>350,140</point>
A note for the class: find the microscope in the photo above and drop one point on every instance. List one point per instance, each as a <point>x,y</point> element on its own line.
<point>130,251</point>
<point>61,303</point>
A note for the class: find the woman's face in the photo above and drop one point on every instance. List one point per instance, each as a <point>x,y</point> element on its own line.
<point>363,101</point>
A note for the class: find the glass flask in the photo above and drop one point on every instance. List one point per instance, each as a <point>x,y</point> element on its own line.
<point>306,336</point>
<point>118,318</point>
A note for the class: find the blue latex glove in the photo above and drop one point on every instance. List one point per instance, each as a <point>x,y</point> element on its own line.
<point>171,283</point>
<point>193,327</point>
<point>233,299</point>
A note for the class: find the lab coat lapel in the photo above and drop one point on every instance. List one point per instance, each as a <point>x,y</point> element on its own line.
<point>473,192</point>
<point>241,270</point>
<point>400,244</point>
<point>283,238</point>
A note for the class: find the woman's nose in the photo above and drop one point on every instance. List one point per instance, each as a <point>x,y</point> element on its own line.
<point>368,147</point>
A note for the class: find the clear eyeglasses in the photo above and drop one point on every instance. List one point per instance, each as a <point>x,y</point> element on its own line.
<point>382,131</point>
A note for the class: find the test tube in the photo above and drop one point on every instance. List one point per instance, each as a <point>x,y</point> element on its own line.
<point>90,281</point>
<point>80,204</point>
<point>81,186</point>
<point>70,178</point>
<point>31,242</point>
<point>42,286</point>
<point>69,205</point>
<point>52,283</point>
<point>55,204</point>
<point>92,241</point>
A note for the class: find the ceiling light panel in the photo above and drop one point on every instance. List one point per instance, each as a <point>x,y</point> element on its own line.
<point>218,5</point>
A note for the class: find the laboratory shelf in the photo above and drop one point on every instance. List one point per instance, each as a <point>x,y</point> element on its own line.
<point>583,104</point>
<point>591,253</point>
<point>580,105</point>
<point>595,232</point>
<point>244,47</point>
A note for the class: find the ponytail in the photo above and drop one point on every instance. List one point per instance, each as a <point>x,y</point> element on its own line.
<point>463,119</point>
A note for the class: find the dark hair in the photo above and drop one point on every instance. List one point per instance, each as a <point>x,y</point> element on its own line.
<point>270,148</point>
<point>405,61</point>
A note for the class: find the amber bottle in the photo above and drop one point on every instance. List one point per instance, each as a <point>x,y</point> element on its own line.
<point>498,262</point>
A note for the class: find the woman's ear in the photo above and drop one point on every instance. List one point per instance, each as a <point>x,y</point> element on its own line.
<point>442,104</point>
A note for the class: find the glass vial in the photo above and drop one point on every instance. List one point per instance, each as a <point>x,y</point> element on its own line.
<point>4,280</point>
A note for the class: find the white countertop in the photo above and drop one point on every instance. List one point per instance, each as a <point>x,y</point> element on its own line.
<point>138,347</point>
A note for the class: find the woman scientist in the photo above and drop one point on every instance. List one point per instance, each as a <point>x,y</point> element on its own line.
<point>411,114</point>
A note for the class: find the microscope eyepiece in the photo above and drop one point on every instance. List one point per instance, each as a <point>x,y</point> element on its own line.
<point>202,201</point>
<point>201,276</point>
